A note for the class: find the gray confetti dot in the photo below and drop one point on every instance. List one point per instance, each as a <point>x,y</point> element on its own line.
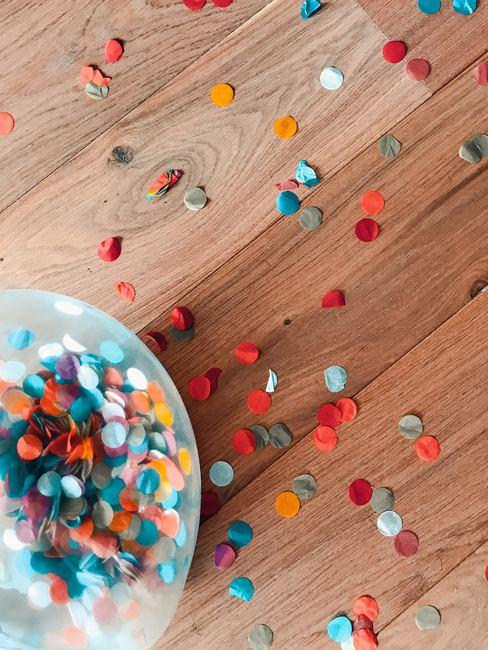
<point>411,427</point>
<point>382,499</point>
<point>389,147</point>
<point>221,473</point>
<point>389,523</point>
<point>122,155</point>
<point>195,199</point>
<point>262,436</point>
<point>474,149</point>
<point>310,218</point>
<point>182,335</point>
<point>260,637</point>
<point>427,618</point>
<point>133,530</point>
<point>304,486</point>
<point>102,514</point>
<point>280,436</point>
<point>96,92</point>
<point>71,508</point>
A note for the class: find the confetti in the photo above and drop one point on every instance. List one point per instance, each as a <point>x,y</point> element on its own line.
<point>241,588</point>
<point>93,91</point>
<point>262,436</point>
<point>122,155</point>
<point>366,230</point>
<point>247,353</point>
<point>382,499</point>
<point>280,436</point>
<point>365,639</point>
<point>361,622</point>
<point>86,73</point>
<point>287,504</point>
<point>109,249</point>
<point>427,448</point>
<point>222,95</point>
<point>481,73</point>
<point>99,79</point>
<point>222,4</point>
<point>308,8</point>
<point>410,427</point>
<point>310,218</point>
<point>290,184</point>
<point>221,473</point>
<point>213,375</point>
<point>474,149</point>
<point>389,523</point>
<point>465,7</point>
<point>388,146</point>
<point>195,199</point>
<point>360,492</point>
<point>372,202</point>
<point>331,78</point>
<point>394,51</point>
<point>285,127</point>
<point>125,290</point>
<point>348,409</point>
<point>339,629</point>
<point>7,123</point>
<point>333,299</point>
<point>260,637</point>
<point>240,533</point>
<point>325,438</point>
<point>21,338</point>
<point>194,5</point>
<point>367,606</point>
<point>329,415</point>
<point>224,556</point>
<point>287,202</point>
<point>306,175</point>
<point>209,504</point>
<point>348,645</point>
<point>429,6</point>
<point>427,618</point>
<point>244,441</point>
<point>200,388</point>
<point>418,69</point>
<point>406,543</point>
<point>335,378</point>
<point>304,486</point>
<point>163,184</point>
<point>258,401</point>
<point>182,318</point>
<point>113,50</point>
<point>155,341</point>
<point>272,382</point>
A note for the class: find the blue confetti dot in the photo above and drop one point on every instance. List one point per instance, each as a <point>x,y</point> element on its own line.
<point>34,385</point>
<point>80,409</point>
<point>335,378</point>
<point>240,533</point>
<point>111,351</point>
<point>110,494</point>
<point>339,629</point>
<point>308,8</point>
<point>465,7</point>
<point>115,461</point>
<point>287,202</point>
<point>95,397</point>
<point>20,338</point>
<point>429,6</point>
<point>171,501</point>
<point>148,481</point>
<point>148,535</point>
<point>180,539</point>
<point>71,487</point>
<point>49,484</point>
<point>242,588</point>
<point>167,572</point>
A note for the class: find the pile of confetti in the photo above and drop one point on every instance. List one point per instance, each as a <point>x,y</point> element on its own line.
<point>357,634</point>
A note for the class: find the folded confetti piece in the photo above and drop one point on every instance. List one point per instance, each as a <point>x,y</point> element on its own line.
<point>242,588</point>
<point>163,184</point>
<point>125,290</point>
<point>272,382</point>
<point>113,50</point>
<point>465,7</point>
<point>86,73</point>
<point>309,7</point>
<point>290,184</point>
<point>306,175</point>
<point>335,378</point>
<point>109,249</point>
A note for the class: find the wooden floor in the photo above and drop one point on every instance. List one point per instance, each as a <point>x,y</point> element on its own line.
<point>413,335</point>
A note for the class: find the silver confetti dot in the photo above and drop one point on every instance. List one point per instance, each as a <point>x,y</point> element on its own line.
<point>389,523</point>
<point>411,427</point>
<point>133,530</point>
<point>310,218</point>
<point>304,486</point>
<point>474,149</point>
<point>382,499</point>
<point>260,637</point>
<point>102,514</point>
<point>195,199</point>
<point>96,92</point>
<point>262,436</point>
<point>427,618</point>
<point>388,146</point>
<point>280,436</point>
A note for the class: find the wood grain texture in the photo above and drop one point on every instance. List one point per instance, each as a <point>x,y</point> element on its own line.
<point>306,570</point>
<point>431,250</point>
<point>44,46</point>
<point>448,40</point>
<point>233,153</point>
<point>461,599</point>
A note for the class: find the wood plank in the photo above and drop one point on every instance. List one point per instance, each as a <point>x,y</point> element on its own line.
<point>274,63</point>
<point>461,599</point>
<point>44,46</point>
<point>448,40</point>
<point>307,569</point>
<point>431,251</point>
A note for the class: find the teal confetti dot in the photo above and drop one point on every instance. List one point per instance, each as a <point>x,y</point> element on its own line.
<point>287,202</point>
<point>339,629</point>
<point>335,378</point>
<point>171,501</point>
<point>110,494</point>
<point>148,481</point>
<point>80,409</point>
<point>49,484</point>
<point>308,8</point>
<point>465,7</point>
<point>242,588</point>
<point>180,539</point>
<point>167,572</point>
<point>240,533</point>
<point>20,338</point>
<point>429,6</point>
<point>33,385</point>
<point>306,175</point>
<point>148,535</point>
<point>112,352</point>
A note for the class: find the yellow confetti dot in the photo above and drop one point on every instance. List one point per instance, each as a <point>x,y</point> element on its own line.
<point>285,127</point>
<point>222,95</point>
<point>185,460</point>
<point>287,504</point>
<point>163,414</point>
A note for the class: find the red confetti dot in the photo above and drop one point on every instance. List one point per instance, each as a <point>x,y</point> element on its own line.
<point>394,51</point>
<point>209,504</point>
<point>194,5</point>
<point>244,441</point>
<point>200,388</point>
<point>325,438</point>
<point>247,353</point>
<point>109,249</point>
<point>182,318</point>
<point>427,448</point>
<point>406,543</point>
<point>258,401</point>
<point>222,3</point>
<point>113,50</point>
<point>348,409</point>
<point>481,73</point>
<point>362,622</point>
<point>366,230</point>
<point>156,341</point>
<point>99,79</point>
<point>125,290</point>
<point>329,415</point>
<point>360,492</point>
<point>418,69</point>
<point>366,606</point>
<point>29,447</point>
<point>213,375</point>
<point>365,639</point>
<point>372,202</point>
<point>7,123</point>
<point>486,572</point>
<point>333,299</point>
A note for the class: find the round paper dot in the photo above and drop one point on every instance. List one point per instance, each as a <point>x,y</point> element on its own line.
<point>427,448</point>
<point>137,378</point>
<point>348,409</point>
<point>29,447</point>
<point>427,618</point>
<point>148,481</point>
<point>329,415</point>
<point>112,352</point>
<point>366,606</point>
<point>335,378</point>
<point>195,199</point>
<point>260,637</point>
<point>382,499</point>
<point>239,533</point>
<point>113,435</point>
<point>224,556</point>
<point>280,436</point>
<point>166,570</point>
<point>372,202</point>
<point>331,78</point>
<point>7,123</point>
<point>360,492</point>
<point>244,441</point>
<point>325,438</point>
<point>49,484</point>
<point>287,504</point>
<point>406,543</point>
<point>429,6</point>
<point>310,218</point>
<point>221,473</point>
<point>109,249</point>
<point>200,388</point>
<point>39,594</point>
<point>241,588</point>
<point>113,50</point>
<point>481,73</point>
<point>247,353</point>
<point>394,51</point>
<point>410,427</point>
<point>71,487</point>
<point>12,371</point>
<point>389,523</point>
<point>339,629</point>
<point>182,318</point>
<point>222,95</point>
<point>222,4</point>
<point>285,127</point>
<point>287,202</point>
<point>418,69</point>
<point>366,230</point>
<point>194,5</point>
<point>333,299</point>
<point>20,338</point>
<point>258,401</point>
<point>304,486</point>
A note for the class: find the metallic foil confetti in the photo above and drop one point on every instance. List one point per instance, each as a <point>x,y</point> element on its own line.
<point>474,149</point>
<point>242,588</point>
<point>310,218</point>
<point>427,448</point>
<point>306,175</point>
<point>287,504</point>
<point>331,78</point>
<point>429,6</point>
<point>221,473</point>
<point>411,427</point>
<point>406,543</point>
<point>335,378</point>
<point>262,436</point>
<point>163,184</point>
<point>382,499</point>
<point>388,146</point>
<point>285,127</point>
<point>260,637</point>
<point>287,202</point>
<point>224,556</point>
<point>465,7</point>
<point>308,8</point>
<point>427,618</point>
<point>272,382</point>
<point>394,51</point>
<point>239,533</point>
<point>389,523</point>
<point>93,91</point>
<point>360,492</point>
<point>339,629</point>
<point>280,436</point>
<point>195,199</point>
<point>418,69</point>
<point>304,486</point>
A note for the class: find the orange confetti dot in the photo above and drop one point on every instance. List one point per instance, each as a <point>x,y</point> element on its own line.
<point>285,127</point>
<point>113,50</point>
<point>222,95</point>
<point>348,409</point>
<point>86,73</point>
<point>366,606</point>
<point>16,402</point>
<point>372,202</point>
<point>121,521</point>
<point>155,392</point>
<point>287,504</point>
<point>103,544</point>
<point>126,499</point>
<point>29,447</point>
<point>130,612</point>
<point>258,401</point>
<point>59,591</point>
<point>99,79</point>
<point>125,290</point>
<point>247,353</point>
<point>325,438</point>
<point>365,639</point>
<point>140,401</point>
<point>83,532</point>
<point>7,123</point>
<point>74,637</point>
<point>427,448</point>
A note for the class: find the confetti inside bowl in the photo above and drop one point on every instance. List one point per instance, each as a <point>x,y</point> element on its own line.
<point>99,480</point>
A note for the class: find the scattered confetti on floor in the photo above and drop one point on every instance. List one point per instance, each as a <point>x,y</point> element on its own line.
<point>406,543</point>
<point>372,202</point>
<point>259,401</point>
<point>429,6</point>
<point>195,199</point>
<point>339,629</point>
<point>348,409</point>
<point>360,492</point>
<point>389,146</point>
<point>262,436</point>
<point>242,588</point>
<point>195,5</point>
<point>7,123</point>
<point>389,523</point>
<point>480,73</point>
<point>474,149</point>
<point>163,184</point>
<point>244,442</point>
<point>272,382</point>
<point>306,175</point>
<point>280,436</point>
<point>221,473</point>
<point>222,95</point>
<point>325,438</point>
<point>335,378</point>
<point>427,448</point>
<point>465,7</point>
<point>329,415</point>
<point>200,388</point>
<point>240,533</point>
<point>367,606</point>
<point>260,637</point>
<point>394,51</point>
<point>382,499</point>
<point>411,427</point>
<point>427,618</point>
<point>418,69</point>
<point>287,202</point>
<point>285,127</point>
<point>331,78</point>
<point>125,290</point>
<point>247,353</point>
<point>224,556</point>
<point>93,91</point>
<point>287,504</point>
